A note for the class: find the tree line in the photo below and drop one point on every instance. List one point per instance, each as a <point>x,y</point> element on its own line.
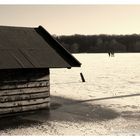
<point>100,43</point>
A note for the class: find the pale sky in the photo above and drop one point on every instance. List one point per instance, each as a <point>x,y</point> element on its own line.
<point>70,19</point>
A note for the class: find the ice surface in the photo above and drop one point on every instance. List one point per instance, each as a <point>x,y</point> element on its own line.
<point>108,103</point>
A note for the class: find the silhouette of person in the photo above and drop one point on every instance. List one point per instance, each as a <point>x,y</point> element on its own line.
<point>109,54</point>
<point>112,54</point>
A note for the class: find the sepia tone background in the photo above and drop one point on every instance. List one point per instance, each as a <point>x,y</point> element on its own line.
<point>74,19</point>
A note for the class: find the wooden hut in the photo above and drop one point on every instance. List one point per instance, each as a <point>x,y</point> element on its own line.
<point>26,54</point>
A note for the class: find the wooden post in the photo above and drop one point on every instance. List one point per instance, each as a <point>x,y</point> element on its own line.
<point>82,77</point>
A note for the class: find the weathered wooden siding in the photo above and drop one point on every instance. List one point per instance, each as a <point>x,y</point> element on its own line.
<point>24,90</point>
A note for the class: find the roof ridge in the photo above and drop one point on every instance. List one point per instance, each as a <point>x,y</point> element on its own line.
<point>10,26</point>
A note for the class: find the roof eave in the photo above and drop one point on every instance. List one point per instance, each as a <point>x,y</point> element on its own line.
<point>71,60</point>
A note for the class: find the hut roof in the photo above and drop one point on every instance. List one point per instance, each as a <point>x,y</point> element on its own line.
<point>25,47</point>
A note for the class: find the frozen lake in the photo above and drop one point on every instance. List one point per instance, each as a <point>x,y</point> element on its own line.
<point>104,75</point>
<point>111,83</point>
<point>108,103</point>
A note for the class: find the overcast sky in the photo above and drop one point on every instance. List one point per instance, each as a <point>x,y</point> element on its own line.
<point>70,19</point>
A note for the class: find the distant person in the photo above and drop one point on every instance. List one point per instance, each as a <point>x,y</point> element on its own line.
<point>112,54</point>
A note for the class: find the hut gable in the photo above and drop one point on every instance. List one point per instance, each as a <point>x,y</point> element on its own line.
<point>23,47</point>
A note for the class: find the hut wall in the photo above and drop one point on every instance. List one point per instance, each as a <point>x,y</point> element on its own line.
<point>24,90</point>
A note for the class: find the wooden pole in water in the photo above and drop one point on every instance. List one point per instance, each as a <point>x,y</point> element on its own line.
<point>82,77</point>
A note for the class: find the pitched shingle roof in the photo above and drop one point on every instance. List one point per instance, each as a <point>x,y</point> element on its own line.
<point>23,47</point>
